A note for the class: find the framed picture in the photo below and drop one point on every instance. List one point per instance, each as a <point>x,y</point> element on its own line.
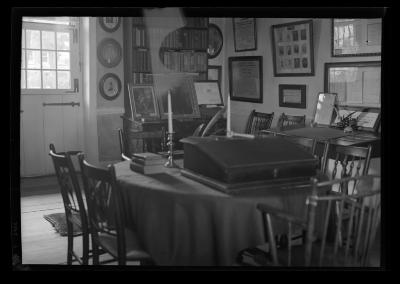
<point>183,100</point>
<point>368,118</point>
<point>215,73</point>
<point>293,50</point>
<point>292,96</point>
<point>245,79</point>
<point>109,52</point>
<point>356,37</point>
<point>244,34</point>
<point>143,102</point>
<point>215,41</point>
<point>355,83</point>
<point>208,93</point>
<point>324,108</point>
<point>110,86</point>
<point>110,24</point>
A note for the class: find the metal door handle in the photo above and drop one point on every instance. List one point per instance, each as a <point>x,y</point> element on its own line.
<point>62,104</point>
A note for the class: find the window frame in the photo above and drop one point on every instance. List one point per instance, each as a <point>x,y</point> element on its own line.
<point>75,62</point>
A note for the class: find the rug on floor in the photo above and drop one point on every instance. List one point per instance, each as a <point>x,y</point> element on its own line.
<point>59,223</point>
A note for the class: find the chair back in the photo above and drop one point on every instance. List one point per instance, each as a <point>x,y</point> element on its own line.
<point>105,210</point>
<point>349,161</point>
<point>258,121</point>
<point>322,248</point>
<point>291,121</point>
<point>123,144</point>
<point>198,131</point>
<point>70,190</point>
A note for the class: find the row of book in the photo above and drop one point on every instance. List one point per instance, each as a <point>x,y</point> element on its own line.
<point>141,61</point>
<point>189,22</point>
<point>140,78</point>
<point>186,61</point>
<point>178,39</point>
<point>147,163</point>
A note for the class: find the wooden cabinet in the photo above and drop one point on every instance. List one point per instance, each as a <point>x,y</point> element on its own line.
<point>182,50</point>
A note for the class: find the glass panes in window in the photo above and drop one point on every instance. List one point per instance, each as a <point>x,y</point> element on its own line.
<point>48,59</point>
<point>32,39</point>
<point>64,80</point>
<point>48,40</point>
<point>49,79</point>
<point>62,41</point>
<point>23,80</point>
<point>33,59</point>
<point>62,60</point>
<point>34,80</point>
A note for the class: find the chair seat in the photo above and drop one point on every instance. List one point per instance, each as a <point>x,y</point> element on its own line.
<point>134,250</point>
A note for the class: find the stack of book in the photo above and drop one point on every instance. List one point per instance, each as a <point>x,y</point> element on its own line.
<point>147,163</point>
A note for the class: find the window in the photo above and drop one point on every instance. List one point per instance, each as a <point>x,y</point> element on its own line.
<point>50,57</point>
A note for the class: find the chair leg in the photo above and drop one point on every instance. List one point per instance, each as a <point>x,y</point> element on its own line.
<point>85,249</point>
<point>70,246</point>
<point>95,249</point>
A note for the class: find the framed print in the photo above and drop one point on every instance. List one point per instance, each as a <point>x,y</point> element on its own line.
<point>245,79</point>
<point>292,96</point>
<point>109,52</point>
<point>215,41</point>
<point>244,34</point>
<point>293,50</point>
<point>208,93</point>
<point>355,83</point>
<point>110,24</point>
<point>356,37</point>
<point>324,108</point>
<point>183,100</point>
<point>110,86</point>
<point>215,73</point>
<point>368,119</point>
<point>143,102</point>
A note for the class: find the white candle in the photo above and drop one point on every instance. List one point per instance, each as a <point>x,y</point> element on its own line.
<point>228,115</point>
<point>169,113</point>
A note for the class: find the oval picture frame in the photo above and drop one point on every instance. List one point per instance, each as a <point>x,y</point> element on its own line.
<point>109,52</point>
<point>215,41</point>
<point>110,86</point>
<point>110,24</point>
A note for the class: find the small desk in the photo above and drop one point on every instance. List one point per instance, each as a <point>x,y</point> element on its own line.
<point>182,222</point>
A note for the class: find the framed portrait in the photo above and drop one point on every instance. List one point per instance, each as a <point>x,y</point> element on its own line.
<point>208,93</point>
<point>215,73</point>
<point>356,37</point>
<point>293,50</point>
<point>355,83</point>
<point>245,79</point>
<point>109,52</point>
<point>215,41</point>
<point>143,102</point>
<point>110,24</point>
<point>183,100</point>
<point>110,86</point>
<point>293,96</point>
<point>244,34</point>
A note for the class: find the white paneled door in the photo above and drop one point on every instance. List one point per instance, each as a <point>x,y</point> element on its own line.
<point>46,119</point>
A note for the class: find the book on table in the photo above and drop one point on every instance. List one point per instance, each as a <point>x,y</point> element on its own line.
<point>147,156</point>
<point>151,169</point>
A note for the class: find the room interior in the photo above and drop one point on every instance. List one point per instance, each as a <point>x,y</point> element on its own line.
<point>174,53</point>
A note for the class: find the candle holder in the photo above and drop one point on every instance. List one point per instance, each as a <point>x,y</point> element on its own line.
<point>170,162</point>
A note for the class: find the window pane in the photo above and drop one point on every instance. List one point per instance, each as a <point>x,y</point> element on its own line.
<point>62,60</point>
<point>23,38</point>
<point>63,80</point>
<point>32,39</point>
<point>48,59</point>
<point>33,59</point>
<point>49,79</point>
<point>63,41</point>
<point>23,80</point>
<point>33,79</point>
<point>23,58</point>
<point>48,40</point>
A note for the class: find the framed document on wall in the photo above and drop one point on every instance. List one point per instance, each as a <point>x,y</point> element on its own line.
<point>293,50</point>
<point>245,34</point>
<point>208,93</point>
<point>245,79</point>
<point>292,96</point>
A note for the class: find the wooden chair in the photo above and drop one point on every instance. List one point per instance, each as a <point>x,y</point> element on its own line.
<point>258,121</point>
<point>291,121</point>
<point>123,145</point>
<point>75,209</point>
<point>107,217</point>
<point>321,249</point>
<point>199,129</point>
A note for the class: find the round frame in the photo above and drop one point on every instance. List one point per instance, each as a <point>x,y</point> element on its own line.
<point>106,28</point>
<point>215,41</point>
<point>109,52</point>
<point>105,93</point>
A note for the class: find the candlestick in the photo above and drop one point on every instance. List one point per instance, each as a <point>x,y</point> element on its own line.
<point>228,116</point>
<point>170,129</point>
<point>170,162</point>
